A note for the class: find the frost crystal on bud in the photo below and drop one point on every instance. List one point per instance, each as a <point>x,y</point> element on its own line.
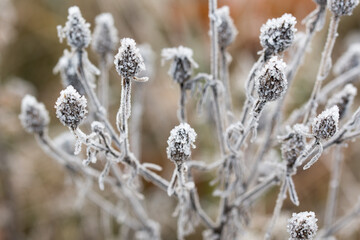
<point>292,147</point>
<point>180,142</point>
<point>278,34</point>
<point>226,28</point>
<point>71,107</point>
<point>34,117</point>
<point>128,61</point>
<point>302,226</point>
<point>105,35</point>
<point>343,99</point>
<point>349,60</point>
<point>76,30</point>
<point>342,7</point>
<point>182,63</point>
<point>326,124</point>
<point>271,81</point>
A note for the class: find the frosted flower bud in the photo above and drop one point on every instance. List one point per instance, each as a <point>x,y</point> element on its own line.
<point>271,81</point>
<point>71,108</point>
<point>180,142</point>
<point>292,147</point>
<point>105,36</point>
<point>349,60</point>
<point>278,34</point>
<point>343,99</point>
<point>226,28</point>
<point>76,30</point>
<point>302,226</point>
<point>342,7</point>
<point>33,117</point>
<point>182,63</point>
<point>128,61</point>
<point>325,125</point>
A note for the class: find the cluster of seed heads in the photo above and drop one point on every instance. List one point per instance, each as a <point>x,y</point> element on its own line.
<point>343,99</point>
<point>302,226</point>
<point>33,117</point>
<point>105,36</point>
<point>226,28</point>
<point>71,107</point>
<point>342,7</point>
<point>325,125</point>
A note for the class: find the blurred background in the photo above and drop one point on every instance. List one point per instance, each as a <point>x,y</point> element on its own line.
<point>36,199</point>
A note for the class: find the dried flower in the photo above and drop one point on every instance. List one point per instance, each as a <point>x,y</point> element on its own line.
<point>182,63</point>
<point>342,7</point>
<point>71,107</point>
<point>34,117</point>
<point>226,28</point>
<point>349,60</point>
<point>278,34</point>
<point>76,30</point>
<point>302,226</point>
<point>326,124</point>
<point>343,99</point>
<point>292,147</point>
<point>105,36</point>
<point>128,61</point>
<point>271,81</point>
<point>180,142</point>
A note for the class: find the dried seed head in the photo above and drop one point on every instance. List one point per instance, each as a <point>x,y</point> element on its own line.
<point>33,117</point>
<point>128,61</point>
<point>278,34</point>
<point>182,63</point>
<point>97,127</point>
<point>302,226</point>
<point>105,36</point>
<point>349,60</point>
<point>343,99</point>
<point>71,107</point>
<point>180,142</point>
<point>271,81</point>
<point>325,125</point>
<point>226,28</point>
<point>292,147</point>
<point>76,30</point>
<point>342,7</point>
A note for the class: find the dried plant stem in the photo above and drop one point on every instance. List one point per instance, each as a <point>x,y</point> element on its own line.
<point>124,114</point>
<point>182,112</point>
<point>224,76</point>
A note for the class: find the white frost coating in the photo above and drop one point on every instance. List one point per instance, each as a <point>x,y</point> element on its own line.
<point>180,142</point>
<point>278,33</point>
<point>343,99</point>
<point>302,226</point>
<point>33,117</point>
<point>349,60</point>
<point>342,7</point>
<point>226,27</point>
<point>326,124</point>
<point>105,36</point>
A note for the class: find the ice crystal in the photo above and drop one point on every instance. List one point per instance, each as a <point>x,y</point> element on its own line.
<point>342,7</point>
<point>226,28</point>
<point>34,117</point>
<point>325,125</point>
<point>302,226</point>
<point>105,36</point>
<point>349,60</point>
<point>343,99</point>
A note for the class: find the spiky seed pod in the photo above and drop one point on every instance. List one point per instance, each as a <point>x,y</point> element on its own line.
<point>342,7</point>
<point>349,60</point>
<point>105,36</point>
<point>180,142</point>
<point>128,61</point>
<point>292,147</point>
<point>271,82</point>
<point>302,226</point>
<point>277,34</point>
<point>226,28</point>
<point>33,117</point>
<point>182,63</point>
<point>325,125</point>
<point>76,30</point>
<point>343,99</point>
<point>71,108</point>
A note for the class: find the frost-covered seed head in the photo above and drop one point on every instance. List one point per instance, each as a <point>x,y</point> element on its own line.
<point>97,127</point>
<point>302,226</point>
<point>76,30</point>
<point>33,117</point>
<point>271,81</point>
<point>278,34</point>
<point>182,63</point>
<point>128,61</point>
<point>292,147</point>
<point>226,28</point>
<point>325,125</point>
<point>180,142</point>
<point>349,60</point>
<point>71,107</point>
<point>105,36</point>
<point>343,99</point>
<point>342,7</point>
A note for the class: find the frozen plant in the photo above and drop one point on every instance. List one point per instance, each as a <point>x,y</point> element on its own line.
<point>302,226</point>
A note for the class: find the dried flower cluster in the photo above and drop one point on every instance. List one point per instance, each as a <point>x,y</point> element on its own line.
<point>326,124</point>
<point>226,28</point>
<point>302,226</point>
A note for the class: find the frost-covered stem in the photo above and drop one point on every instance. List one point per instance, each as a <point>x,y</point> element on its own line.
<point>324,68</point>
<point>279,202</point>
<point>214,39</point>
<point>224,76</point>
<point>331,203</point>
<point>207,221</point>
<point>182,111</point>
<point>124,113</point>
<point>103,87</point>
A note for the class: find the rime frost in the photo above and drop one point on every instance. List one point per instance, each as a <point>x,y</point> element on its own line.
<point>342,7</point>
<point>226,28</point>
<point>343,99</point>
<point>105,36</point>
<point>33,117</point>
<point>349,60</point>
<point>302,226</point>
<point>325,125</point>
